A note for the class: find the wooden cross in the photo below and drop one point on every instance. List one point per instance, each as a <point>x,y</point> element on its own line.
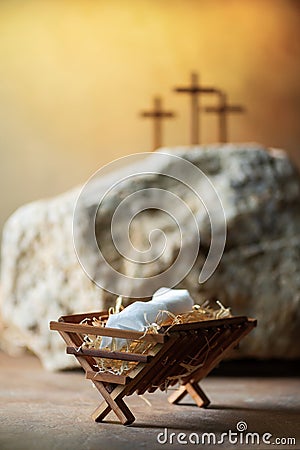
<point>222,110</point>
<point>158,114</point>
<point>195,90</point>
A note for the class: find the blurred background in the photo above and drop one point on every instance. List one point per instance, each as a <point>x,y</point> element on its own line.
<point>74,76</point>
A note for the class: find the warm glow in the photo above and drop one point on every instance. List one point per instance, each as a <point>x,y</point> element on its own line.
<point>74,76</point>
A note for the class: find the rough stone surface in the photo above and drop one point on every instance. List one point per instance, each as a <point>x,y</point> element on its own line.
<point>259,274</point>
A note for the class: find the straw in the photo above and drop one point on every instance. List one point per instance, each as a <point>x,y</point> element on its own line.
<point>205,311</point>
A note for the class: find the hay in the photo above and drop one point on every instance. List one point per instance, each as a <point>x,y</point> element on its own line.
<point>203,312</point>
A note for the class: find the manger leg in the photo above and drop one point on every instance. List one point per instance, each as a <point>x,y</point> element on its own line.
<point>114,403</point>
<point>124,414</point>
<point>195,392</point>
<point>126,411</point>
<point>101,412</point>
<point>177,395</point>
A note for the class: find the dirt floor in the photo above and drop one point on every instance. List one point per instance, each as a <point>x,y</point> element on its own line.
<point>42,410</point>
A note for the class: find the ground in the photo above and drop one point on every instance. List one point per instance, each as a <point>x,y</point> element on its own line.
<point>42,410</point>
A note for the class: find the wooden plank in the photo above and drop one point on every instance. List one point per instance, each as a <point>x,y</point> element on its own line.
<point>103,409</point>
<point>220,351</point>
<point>122,356</point>
<point>218,340</point>
<point>174,357</point>
<point>105,331</point>
<point>197,395</point>
<point>101,412</point>
<point>116,395</point>
<point>142,371</point>
<point>77,318</point>
<point>205,324</point>
<point>163,380</point>
<point>217,355</point>
<point>205,342</point>
<point>118,406</point>
<point>107,377</point>
<point>162,365</point>
<point>177,395</point>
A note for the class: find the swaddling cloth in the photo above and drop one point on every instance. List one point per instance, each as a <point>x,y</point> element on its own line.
<point>139,315</point>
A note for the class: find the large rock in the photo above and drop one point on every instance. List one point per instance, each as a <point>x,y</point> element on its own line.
<point>41,278</point>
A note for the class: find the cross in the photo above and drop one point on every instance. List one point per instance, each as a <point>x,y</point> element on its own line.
<point>158,114</point>
<point>195,90</point>
<point>222,110</point>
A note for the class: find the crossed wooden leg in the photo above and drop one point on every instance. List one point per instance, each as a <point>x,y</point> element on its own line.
<point>195,392</point>
<point>112,402</point>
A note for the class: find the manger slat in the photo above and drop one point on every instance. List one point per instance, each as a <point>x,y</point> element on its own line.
<point>197,345</point>
<point>162,364</point>
<point>77,318</point>
<point>146,371</point>
<point>222,350</point>
<point>105,331</point>
<point>206,341</point>
<point>221,338</point>
<point>163,381</point>
<point>106,377</point>
<point>174,356</point>
<point>217,356</point>
<point>220,346</point>
<point>205,324</point>
<point>122,356</point>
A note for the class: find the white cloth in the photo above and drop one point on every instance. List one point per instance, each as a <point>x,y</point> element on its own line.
<point>139,315</point>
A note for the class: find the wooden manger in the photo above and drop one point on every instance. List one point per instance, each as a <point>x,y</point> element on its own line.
<point>183,354</point>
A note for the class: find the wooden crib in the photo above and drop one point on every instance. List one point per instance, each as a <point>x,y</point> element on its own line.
<point>182,354</point>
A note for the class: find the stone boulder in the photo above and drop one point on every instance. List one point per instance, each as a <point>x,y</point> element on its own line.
<point>259,273</point>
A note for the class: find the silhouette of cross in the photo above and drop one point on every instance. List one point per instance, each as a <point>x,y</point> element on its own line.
<point>157,114</point>
<point>195,90</point>
<point>222,110</point>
